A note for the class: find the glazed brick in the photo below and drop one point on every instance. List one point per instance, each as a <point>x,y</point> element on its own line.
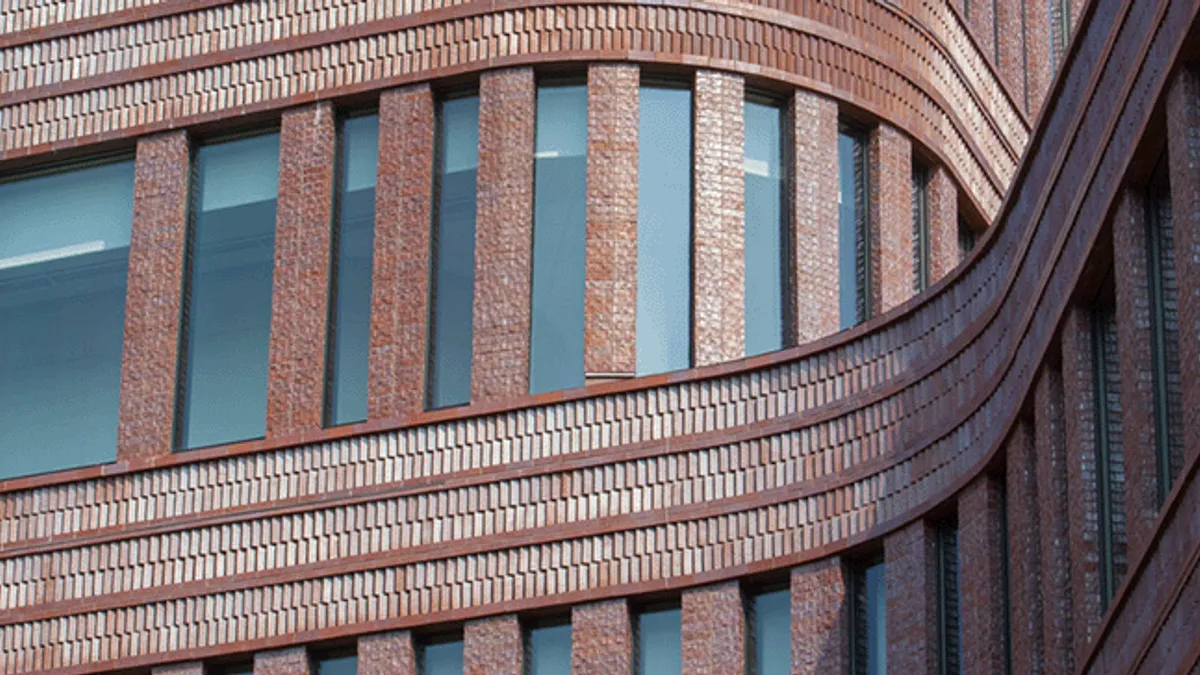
<point>820,616</point>
<point>400,279</point>
<point>290,661</point>
<point>601,639</point>
<point>719,225</point>
<point>890,216</point>
<point>714,630</point>
<point>493,646</point>
<point>910,575</point>
<point>1024,550</point>
<point>982,551</point>
<point>1037,55</point>
<point>387,654</point>
<point>942,201</point>
<point>300,300</point>
<point>813,122</point>
<point>149,362</point>
<point>610,292</point>
<point>1053,509</point>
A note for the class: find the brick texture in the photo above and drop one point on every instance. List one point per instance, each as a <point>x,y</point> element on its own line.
<point>1010,50</point>
<point>1053,509</point>
<point>400,280</point>
<point>493,647</point>
<point>300,299</point>
<point>982,20</point>
<point>911,579</point>
<point>813,122</point>
<point>942,199</point>
<point>149,362</point>
<point>982,552</point>
<point>601,639</point>
<point>718,227</point>
<point>714,630</point>
<point>1024,551</point>
<point>291,661</point>
<point>190,668</point>
<point>820,616</point>
<point>387,654</point>
<point>1037,55</point>
<point>890,216</point>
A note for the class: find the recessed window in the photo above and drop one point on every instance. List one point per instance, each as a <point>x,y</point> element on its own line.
<point>548,648</point>
<point>64,257</point>
<point>441,656</point>
<point>336,663</point>
<point>659,644</point>
<point>920,214</point>
<point>766,224</point>
<point>771,630</point>
<point>966,240</point>
<point>868,619</point>
<point>854,265</point>
<point>949,592</point>
<point>1110,457</point>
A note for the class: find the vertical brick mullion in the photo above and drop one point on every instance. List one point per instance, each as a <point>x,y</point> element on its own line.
<point>387,654</point>
<point>890,183</point>
<point>820,610</point>
<point>981,552</point>
<point>1024,550</point>
<point>943,223</point>
<point>911,578</point>
<point>493,646</point>
<point>1053,500</point>
<point>812,196</point>
<point>290,661</point>
<point>714,629</point>
<point>1037,55</point>
<point>1010,50</point>
<point>601,639</point>
<point>189,668</point>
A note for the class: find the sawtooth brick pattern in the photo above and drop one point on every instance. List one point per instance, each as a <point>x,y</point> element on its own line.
<point>820,615</point>
<point>610,294</point>
<point>890,216</point>
<point>387,654</point>
<point>601,639</point>
<point>982,552</point>
<point>154,292</point>
<point>714,630</point>
<point>503,235</point>
<point>910,574</point>
<point>942,200</point>
<point>1053,508</point>
<point>719,219</point>
<point>299,303</point>
<point>493,646</point>
<point>400,278</point>
<point>290,661</point>
<point>1024,551</point>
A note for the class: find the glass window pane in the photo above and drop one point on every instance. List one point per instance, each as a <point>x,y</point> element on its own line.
<point>442,658</point>
<point>876,593</point>
<point>773,633</point>
<point>346,664</point>
<point>559,239</point>
<point>550,650</point>
<point>454,253</point>
<point>764,228</point>
<point>664,277</point>
<point>64,256</point>
<point>659,642</point>
<point>228,330</point>
<point>849,194</point>
<point>350,331</point>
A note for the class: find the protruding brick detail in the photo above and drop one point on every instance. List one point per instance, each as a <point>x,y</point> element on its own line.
<point>601,639</point>
<point>400,280</point>
<point>493,646</point>
<point>714,630</point>
<point>942,201</point>
<point>982,551</point>
<point>300,299</point>
<point>719,223</point>
<point>910,575</point>
<point>291,661</point>
<point>890,215</point>
<point>189,668</point>
<point>149,362</point>
<point>503,235</point>
<point>610,296</point>
<point>1024,551</point>
<point>1037,55</point>
<point>387,654</point>
<point>820,616</point>
<point>1053,508</point>
<point>813,190</point>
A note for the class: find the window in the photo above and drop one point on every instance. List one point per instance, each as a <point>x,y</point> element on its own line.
<point>245,668</point>
<point>766,259</point>
<point>771,631</point>
<point>868,621</point>
<point>441,656</point>
<point>227,315</point>
<point>453,287</point>
<point>64,256</point>
<point>354,243</point>
<point>664,263</point>
<point>1005,580</point>
<point>920,209</point>
<point>949,592</point>
<point>659,641</point>
<point>548,647</point>
<point>343,662</point>
<point>966,240</point>
<point>854,265</point>
<point>1110,457</point>
<point>559,239</point>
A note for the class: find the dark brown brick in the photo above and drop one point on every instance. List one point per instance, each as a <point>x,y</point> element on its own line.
<point>982,552</point>
<point>911,578</point>
<point>1053,509</point>
<point>1024,551</point>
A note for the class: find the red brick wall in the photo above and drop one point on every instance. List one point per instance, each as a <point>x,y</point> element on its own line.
<point>400,279</point>
<point>942,199</point>
<point>890,217</point>
<point>981,554</point>
<point>820,616</point>
<point>1024,551</point>
<point>291,661</point>
<point>493,646</point>
<point>387,654</point>
<point>601,639</point>
<point>1053,507</point>
<point>982,20</point>
<point>190,668</point>
<point>813,123</point>
<point>300,301</point>
<point>1011,49</point>
<point>714,630</point>
<point>911,578</point>
<point>1037,54</point>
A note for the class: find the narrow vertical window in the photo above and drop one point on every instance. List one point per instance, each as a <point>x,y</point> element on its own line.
<point>548,648</point>
<point>854,268</point>
<point>1005,580</point>
<point>766,257</point>
<point>966,240</point>
<point>868,621</point>
<point>559,238</point>
<point>441,656</point>
<point>664,238</point>
<point>354,243</point>
<point>453,287</point>
<point>920,214</point>
<point>1110,458</point>
<point>948,594</point>
<point>64,257</point>
<point>659,642</point>
<point>227,324</point>
<point>1060,30</point>
<point>342,662</point>
<point>771,632</point>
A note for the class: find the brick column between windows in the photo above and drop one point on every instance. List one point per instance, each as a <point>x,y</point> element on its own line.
<point>982,21</point>
<point>493,646</point>
<point>1010,66</point>
<point>400,276</point>
<point>300,300</point>
<point>820,615</point>
<point>1037,55</point>
<point>890,218</point>
<point>601,639</point>
<point>610,295</point>
<point>714,629</point>
<point>982,553</point>
<point>387,654</point>
<point>503,235</point>
<point>1050,443</point>
<point>813,194</point>
<point>1024,551</point>
<point>942,200</point>
<point>911,578</point>
<point>149,361</point>
<point>190,668</point>
<point>291,661</point>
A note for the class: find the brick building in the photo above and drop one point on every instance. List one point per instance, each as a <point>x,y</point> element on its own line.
<point>590,336</point>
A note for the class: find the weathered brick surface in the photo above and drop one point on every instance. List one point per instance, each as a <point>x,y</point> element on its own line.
<point>400,280</point>
<point>154,292</point>
<point>189,668</point>
<point>982,553</point>
<point>387,654</point>
<point>1010,49</point>
<point>911,578</point>
<point>601,639</point>
<point>1053,509</point>
<point>610,295</point>
<point>300,304</point>
<point>290,661</point>
<point>820,616</point>
<point>714,630</point>
<point>1037,55</point>
<point>493,647</point>
<point>982,20</point>
<point>813,123</point>
<point>718,224</point>
<point>890,216</point>
<point>942,202</point>
<point>1024,551</point>
<point>503,235</point>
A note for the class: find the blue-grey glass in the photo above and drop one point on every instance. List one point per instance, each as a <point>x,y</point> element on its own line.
<point>454,254</point>
<point>442,658</point>
<point>876,592</point>
<point>847,231</point>
<point>764,228</point>
<point>659,642</point>
<point>550,650</point>
<point>773,633</point>
<point>337,665</point>
<point>64,256</point>
<point>664,264</point>
<point>229,292</point>
<point>350,337</point>
<point>559,239</point>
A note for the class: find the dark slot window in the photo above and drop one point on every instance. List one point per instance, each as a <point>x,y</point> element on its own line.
<point>920,209</point>
<point>868,620</point>
<point>354,242</point>
<point>441,655</point>
<point>1006,582</point>
<point>548,648</point>
<point>659,641</point>
<point>246,668</point>
<point>1110,457</point>
<point>227,324</point>
<point>453,287</point>
<point>559,238</point>
<point>64,257</point>
<point>854,265</point>
<point>948,595</point>
<point>966,240</point>
<point>766,223</point>
<point>771,632</point>
<point>336,663</point>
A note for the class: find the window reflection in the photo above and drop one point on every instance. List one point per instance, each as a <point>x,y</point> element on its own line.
<point>659,642</point>
<point>853,265</point>
<point>442,657</point>
<point>549,649</point>
<point>765,223</point>
<point>772,626</point>
<point>336,664</point>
